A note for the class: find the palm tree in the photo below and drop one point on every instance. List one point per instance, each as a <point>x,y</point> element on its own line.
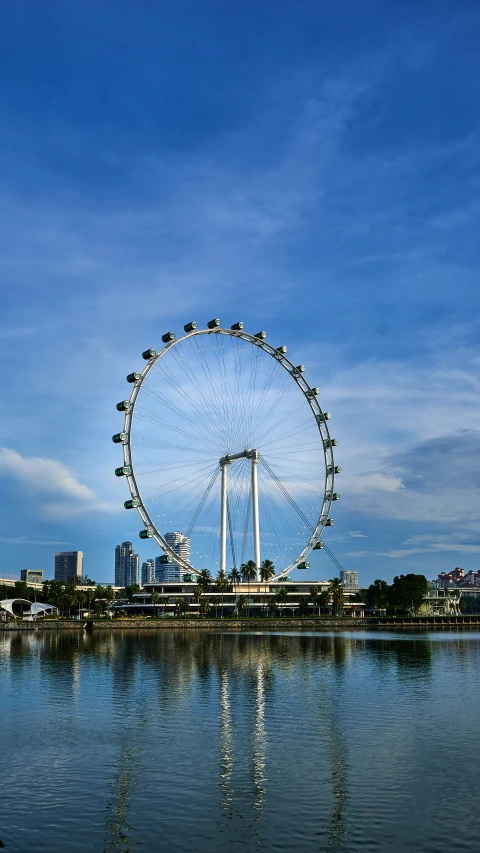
<point>234,578</point>
<point>222,584</point>
<point>281,596</point>
<point>204,580</point>
<point>204,606</point>
<point>197,596</point>
<point>335,591</point>
<point>323,601</point>
<point>155,600</point>
<point>182,607</point>
<point>249,573</point>
<point>313,592</point>
<point>267,571</point>
<point>241,603</point>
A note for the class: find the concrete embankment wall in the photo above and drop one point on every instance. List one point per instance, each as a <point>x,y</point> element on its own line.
<point>435,623</point>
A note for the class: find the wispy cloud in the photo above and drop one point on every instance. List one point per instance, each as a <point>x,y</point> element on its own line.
<point>60,492</point>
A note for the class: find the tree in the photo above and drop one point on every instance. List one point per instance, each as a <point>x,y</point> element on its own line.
<point>222,585</point>
<point>323,600</point>
<point>204,606</point>
<point>132,590</point>
<point>234,578</point>
<point>182,607</point>
<point>408,591</point>
<point>155,600</point>
<point>281,596</point>
<point>249,573</point>
<point>204,580</point>
<point>267,571</point>
<point>377,594</point>
<point>336,594</point>
<point>241,603</point>
<point>197,596</point>
<point>303,606</point>
<point>313,592</point>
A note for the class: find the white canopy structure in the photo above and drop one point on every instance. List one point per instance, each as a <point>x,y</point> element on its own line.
<point>18,607</point>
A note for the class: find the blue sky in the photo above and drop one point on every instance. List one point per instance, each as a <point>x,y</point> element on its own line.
<point>309,168</point>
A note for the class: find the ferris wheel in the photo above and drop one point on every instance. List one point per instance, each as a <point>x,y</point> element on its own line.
<point>225,442</point>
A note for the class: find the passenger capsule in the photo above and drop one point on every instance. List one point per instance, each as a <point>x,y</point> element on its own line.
<point>165,558</point>
<point>313,392</point>
<point>190,327</point>
<point>132,503</point>
<point>261,335</point>
<point>329,522</point>
<point>334,469</point>
<point>148,354</point>
<point>237,327</point>
<point>123,406</point>
<point>167,337</point>
<point>187,578</point>
<point>146,534</point>
<point>300,368</point>
<point>213,324</point>
<point>119,437</point>
<point>318,546</point>
<point>123,471</point>
<point>281,350</point>
<point>304,565</point>
<point>323,416</point>
<point>330,442</point>
<point>134,377</point>
<point>332,496</point>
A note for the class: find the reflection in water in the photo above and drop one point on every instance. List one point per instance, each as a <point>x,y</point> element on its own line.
<point>259,741</point>
<point>193,741</point>
<point>119,831</point>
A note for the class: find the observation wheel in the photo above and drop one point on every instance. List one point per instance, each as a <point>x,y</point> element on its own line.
<point>227,451</point>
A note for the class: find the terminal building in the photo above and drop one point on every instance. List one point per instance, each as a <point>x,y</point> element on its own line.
<point>254,599</point>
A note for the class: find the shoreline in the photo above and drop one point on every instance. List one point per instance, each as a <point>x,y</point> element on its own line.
<point>393,623</point>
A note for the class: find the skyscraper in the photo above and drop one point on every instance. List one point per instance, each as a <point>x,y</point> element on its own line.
<point>179,543</point>
<point>148,572</point>
<point>69,566</point>
<point>349,579</point>
<point>127,565</point>
<point>172,571</point>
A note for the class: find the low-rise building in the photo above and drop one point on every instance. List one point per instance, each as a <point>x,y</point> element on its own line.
<point>32,575</point>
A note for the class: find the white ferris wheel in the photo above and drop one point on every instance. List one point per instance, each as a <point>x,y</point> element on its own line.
<point>225,441</point>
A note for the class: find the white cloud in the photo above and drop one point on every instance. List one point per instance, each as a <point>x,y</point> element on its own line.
<point>48,477</point>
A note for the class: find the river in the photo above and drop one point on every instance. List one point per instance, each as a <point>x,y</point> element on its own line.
<point>202,741</point>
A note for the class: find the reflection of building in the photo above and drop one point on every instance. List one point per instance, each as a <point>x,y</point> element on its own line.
<point>349,579</point>
<point>69,566</point>
<point>31,575</point>
<point>127,565</point>
<point>148,572</point>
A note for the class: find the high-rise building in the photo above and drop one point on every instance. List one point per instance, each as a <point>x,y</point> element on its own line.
<point>179,543</point>
<point>69,566</point>
<point>127,565</point>
<point>148,572</point>
<point>349,579</point>
<point>31,575</point>
<point>166,569</point>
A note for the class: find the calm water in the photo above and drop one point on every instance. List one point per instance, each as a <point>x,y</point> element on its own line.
<point>205,742</point>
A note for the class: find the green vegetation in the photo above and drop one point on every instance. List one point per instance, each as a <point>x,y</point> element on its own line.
<point>403,596</point>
